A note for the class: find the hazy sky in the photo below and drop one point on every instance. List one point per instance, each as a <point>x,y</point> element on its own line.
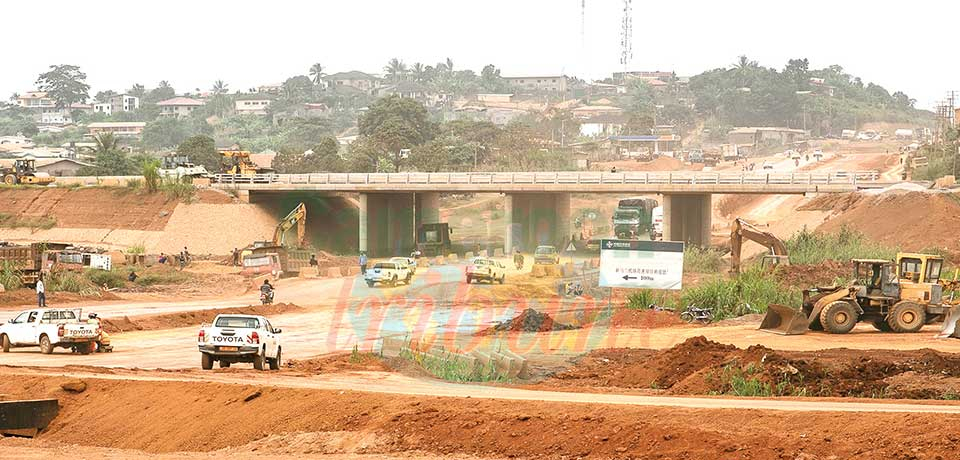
<point>247,43</point>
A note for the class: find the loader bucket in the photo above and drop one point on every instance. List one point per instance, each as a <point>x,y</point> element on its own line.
<point>949,328</point>
<point>27,418</point>
<point>784,320</point>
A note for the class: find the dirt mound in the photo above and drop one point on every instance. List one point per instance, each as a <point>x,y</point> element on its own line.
<point>90,207</point>
<point>637,368</point>
<point>808,275</point>
<point>341,362</point>
<point>699,366</point>
<point>644,319</point>
<point>28,297</point>
<point>190,318</point>
<point>911,221</point>
<point>838,202</point>
<point>529,320</point>
<point>661,163</point>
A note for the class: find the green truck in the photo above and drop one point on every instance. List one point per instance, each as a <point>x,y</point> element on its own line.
<point>633,217</point>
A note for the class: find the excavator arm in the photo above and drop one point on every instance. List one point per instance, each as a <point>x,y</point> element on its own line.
<point>741,229</point>
<point>296,217</point>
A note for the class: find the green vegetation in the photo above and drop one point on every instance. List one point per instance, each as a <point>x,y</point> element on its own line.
<point>162,278</point>
<point>70,281</point>
<point>112,279</point>
<point>729,297</point>
<point>10,275</point>
<point>31,222</point>
<point>641,299</point>
<point>182,189</point>
<point>137,249</point>
<point>151,175</point>
<point>697,259</point>
<point>451,366</point>
<point>744,382</point>
<point>942,158</point>
<point>806,247</point>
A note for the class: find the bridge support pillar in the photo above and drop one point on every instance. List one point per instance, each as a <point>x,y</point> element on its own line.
<point>428,208</point>
<point>535,219</point>
<point>386,224</point>
<point>243,196</point>
<point>687,218</point>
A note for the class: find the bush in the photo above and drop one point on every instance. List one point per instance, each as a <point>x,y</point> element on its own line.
<point>151,175</point>
<point>806,247</point>
<point>179,189</point>
<point>137,249</point>
<point>10,275</point>
<point>31,222</point>
<point>112,279</point>
<point>69,281</point>
<point>728,297</point>
<point>702,260</point>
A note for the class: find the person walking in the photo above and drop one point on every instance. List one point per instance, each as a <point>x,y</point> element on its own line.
<point>363,263</point>
<point>41,294</point>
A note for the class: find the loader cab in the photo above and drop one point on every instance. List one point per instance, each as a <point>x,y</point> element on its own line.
<point>919,276</point>
<point>876,278</point>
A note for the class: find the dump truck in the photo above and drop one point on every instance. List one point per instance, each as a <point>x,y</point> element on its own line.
<point>899,296</point>
<point>434,239</point>
<point>238,162</point>
<point>24,171</point>
<point>30,260</point>
<point>633,217</point>
<point>276,257</point>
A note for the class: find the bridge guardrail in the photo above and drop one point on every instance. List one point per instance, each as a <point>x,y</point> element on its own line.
<point>557,178</point>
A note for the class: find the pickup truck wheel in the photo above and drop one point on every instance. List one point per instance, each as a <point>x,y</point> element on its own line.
<point>393,281</point>
<point>206,361</point>
<point>469,279</point>
<point>370,283</point>
<point>503,278</point>
<point>259,361</point>
<point>409,278</point>
<point>275,362</point>
<point>45,346</point>
<point>5,343</point>
<point>87,348</point>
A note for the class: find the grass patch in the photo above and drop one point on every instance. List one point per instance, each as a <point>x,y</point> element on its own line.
<point>162,278</point>
<point>451,366</point>
<point>135,184</point>
<point>182,190</point>
<point>112,279</point>
<point>744,382</point>
<point>137,249</point>
<point>728,297</point>
<point>641,299</point>
<point>702,260</point>
<point>806,247</point>
<point>31,222</point>
<point>70,281</point>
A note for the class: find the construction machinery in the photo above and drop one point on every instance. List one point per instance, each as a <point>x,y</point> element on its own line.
<point>24,171</point>
<point>434,239</point>
<point>897,297</point>
<point>741,229</point>
<point>276,256</point>
<point>31,260</point>
<point>238,162</point>
<point>27,418</point>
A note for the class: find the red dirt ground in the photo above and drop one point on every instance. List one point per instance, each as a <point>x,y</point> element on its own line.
<point>159,417</point>
<point>189,318</point>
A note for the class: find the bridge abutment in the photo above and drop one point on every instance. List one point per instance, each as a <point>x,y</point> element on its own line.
<point>688,218</point>
<point>534,219</point>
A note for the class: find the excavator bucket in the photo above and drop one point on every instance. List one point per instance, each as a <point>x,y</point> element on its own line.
<point>784,320</point>
<point>27,418</point>
<point>950,328</point>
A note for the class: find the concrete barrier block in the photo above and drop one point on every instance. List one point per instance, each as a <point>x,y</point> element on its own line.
<point>352,270</point>
<point>498,252</point>
<point>334,272</point>
<point>453,258</point>
<point>423,262</point>
<point>440,260</point>
<point>553,270</point>
<point>538,271</point>
<point>484,253</point>
<point>567,269</point>
<point>468,255</point>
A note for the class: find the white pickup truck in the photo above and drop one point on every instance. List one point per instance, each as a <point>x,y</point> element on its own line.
<point>49,328</point>
<point>240,339</point>
<point>389,273</point>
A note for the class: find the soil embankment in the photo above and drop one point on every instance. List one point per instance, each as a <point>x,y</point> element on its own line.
<point>190,318</point>
<point>164,417</point>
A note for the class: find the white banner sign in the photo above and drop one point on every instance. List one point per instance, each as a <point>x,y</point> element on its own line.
<point>641,264</point>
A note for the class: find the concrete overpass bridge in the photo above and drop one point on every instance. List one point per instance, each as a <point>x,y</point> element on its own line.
<point>537,204</point>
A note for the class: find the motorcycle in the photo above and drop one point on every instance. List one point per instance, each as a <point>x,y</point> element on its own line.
<point>695,314</point>
<point>266,298</point>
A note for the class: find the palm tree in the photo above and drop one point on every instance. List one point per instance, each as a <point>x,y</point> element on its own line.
<point>163,84</point>
<point>14,97</point>
<point>138,90</point>
<point>419,72</point>
<point>106,142</point>
<point>449,65</point>
<point>396,69</point>
<point>744,63</point>
<point>219,87</point>
<point>316,71</point>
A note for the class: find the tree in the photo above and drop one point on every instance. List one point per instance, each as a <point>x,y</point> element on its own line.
<point>66,84</point>
<point>167,132</point>
<point>202,151</point>
<point>418,72</point>
<point>297,89</point>
<point>490,79</point>
<point>322,157</point>
<point>395,69</point>
<point>220,87</point>
<point>316,71</point>
<point>393,124</point>
<point>105,142</point>
<point>104,96</point>
<point>138,90</point>
<point>14,97</point>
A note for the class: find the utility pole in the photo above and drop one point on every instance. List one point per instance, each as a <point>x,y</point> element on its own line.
<point>626,35</point>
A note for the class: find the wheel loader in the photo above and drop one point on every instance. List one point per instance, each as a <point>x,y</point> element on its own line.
<point>893,297</point>
<point>24,171</point>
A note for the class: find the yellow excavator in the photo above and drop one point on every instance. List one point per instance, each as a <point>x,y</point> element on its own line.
<point>238,162</point>
<point>274,256</point>
<point>296,217</point>
<point>24,171</point>
<point>741,229</point>
<point>900,296</point>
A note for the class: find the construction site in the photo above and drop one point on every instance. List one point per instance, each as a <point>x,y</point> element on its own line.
<point>520,367</point>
